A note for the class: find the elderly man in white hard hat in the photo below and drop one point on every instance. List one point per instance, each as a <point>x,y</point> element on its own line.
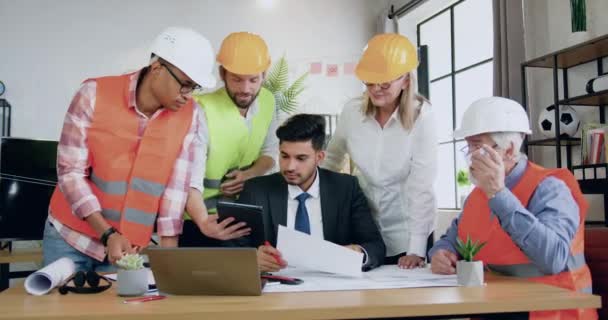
<point>126,153</point>
<point>530,218</point>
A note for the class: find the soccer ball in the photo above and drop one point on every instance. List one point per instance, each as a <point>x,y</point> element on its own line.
<point>569,122</point>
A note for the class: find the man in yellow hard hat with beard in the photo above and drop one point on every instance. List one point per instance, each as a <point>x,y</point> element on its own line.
<point>239,117</point>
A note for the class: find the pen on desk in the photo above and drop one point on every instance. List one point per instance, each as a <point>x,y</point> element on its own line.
<point>144,299</point>
<point>276,258</point>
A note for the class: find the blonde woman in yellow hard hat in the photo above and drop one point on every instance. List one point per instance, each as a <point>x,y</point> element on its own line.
<point>238,131</point>
<point>389,135</point>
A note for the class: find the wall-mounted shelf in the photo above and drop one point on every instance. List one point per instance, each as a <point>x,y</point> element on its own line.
<point>565,141</point>
<point>573,56</point>
<point>592,100</point>
<point>591,51</point>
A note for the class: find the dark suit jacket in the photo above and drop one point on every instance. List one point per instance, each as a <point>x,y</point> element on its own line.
<point>345,211</point>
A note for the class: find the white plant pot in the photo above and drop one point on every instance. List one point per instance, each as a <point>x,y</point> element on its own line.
<point>575,38</point>
<point>469,274</point>
<point>132,282</point>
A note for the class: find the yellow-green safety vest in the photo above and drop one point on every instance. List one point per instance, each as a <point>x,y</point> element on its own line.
<point>231,144</point>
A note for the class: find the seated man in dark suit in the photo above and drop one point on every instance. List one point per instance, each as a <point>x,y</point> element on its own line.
<point>309,199</point>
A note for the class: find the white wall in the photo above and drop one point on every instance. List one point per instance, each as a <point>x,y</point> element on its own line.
<point>409,22</point>
<point>49,47</point>
<point>547,29</point>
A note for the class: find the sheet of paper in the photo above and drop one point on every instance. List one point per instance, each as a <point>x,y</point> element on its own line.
<point>49,277</point>
<point>385,277</point>
<point>303,251</point>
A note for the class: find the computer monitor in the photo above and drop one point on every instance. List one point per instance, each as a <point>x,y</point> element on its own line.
<point>28,176</point>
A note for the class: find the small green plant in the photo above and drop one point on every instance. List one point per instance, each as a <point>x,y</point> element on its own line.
<point>468,249</point>
<point>131,262</point>
<point>462,178</point>
<point>578,14</point>
<point>277,82</point>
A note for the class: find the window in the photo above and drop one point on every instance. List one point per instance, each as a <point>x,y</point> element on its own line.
<point>460,52</point>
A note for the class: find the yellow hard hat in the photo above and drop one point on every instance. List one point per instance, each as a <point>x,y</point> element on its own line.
<point>386,57</point>
<point>244,53</point>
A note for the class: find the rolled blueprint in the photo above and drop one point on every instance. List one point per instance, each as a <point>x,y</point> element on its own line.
<point>49,277</point>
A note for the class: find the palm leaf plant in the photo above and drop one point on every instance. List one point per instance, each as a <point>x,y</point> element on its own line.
<point>277,82</point>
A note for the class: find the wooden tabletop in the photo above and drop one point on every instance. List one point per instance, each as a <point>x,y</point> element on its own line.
<point>21,255</point>
<point>499,295</point>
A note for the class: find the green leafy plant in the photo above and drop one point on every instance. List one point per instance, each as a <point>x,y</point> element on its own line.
<point>277,82</point>
<point>462,178</point>
<point>578,14</point>
<point>131,262</point>
<point>468,249</point>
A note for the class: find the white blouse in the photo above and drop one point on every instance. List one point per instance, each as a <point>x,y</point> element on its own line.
<point>396,169</point>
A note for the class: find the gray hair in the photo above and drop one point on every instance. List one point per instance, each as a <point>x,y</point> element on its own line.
<point>504,140</point>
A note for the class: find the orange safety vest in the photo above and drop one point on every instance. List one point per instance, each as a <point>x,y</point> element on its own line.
<point>501,255</point>
<point>128,173</point>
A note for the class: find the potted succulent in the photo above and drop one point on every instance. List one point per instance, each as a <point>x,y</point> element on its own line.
<point>468,271</point>
<point>132,277</point>
<point>578,19</point>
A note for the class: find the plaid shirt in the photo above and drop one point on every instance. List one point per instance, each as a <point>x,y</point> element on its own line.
<point>73,168</point>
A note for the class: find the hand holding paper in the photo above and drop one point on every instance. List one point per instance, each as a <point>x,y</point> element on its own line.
<point>303,251</point>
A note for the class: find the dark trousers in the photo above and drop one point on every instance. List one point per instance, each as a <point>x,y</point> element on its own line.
<point>192,237</point>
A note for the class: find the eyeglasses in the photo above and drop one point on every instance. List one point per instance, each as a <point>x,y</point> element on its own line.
<point>384,85</point>
<point>185,88</point>
<point>466,150</point>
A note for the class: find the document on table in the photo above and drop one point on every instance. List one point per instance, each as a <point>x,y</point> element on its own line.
<point>306,252</point>
<point>385,277</point>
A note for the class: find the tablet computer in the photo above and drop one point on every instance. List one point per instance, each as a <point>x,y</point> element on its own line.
<point>250,214</point>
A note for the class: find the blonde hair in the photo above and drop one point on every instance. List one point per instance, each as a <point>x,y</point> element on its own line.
<point>409,106</point>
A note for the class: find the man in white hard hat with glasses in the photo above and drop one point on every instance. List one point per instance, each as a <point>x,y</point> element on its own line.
<point>125,157</point>
<point>530,218</point>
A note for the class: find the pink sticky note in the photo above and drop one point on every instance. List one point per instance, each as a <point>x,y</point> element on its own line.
<point>332,70</point>
<point>315,68</point>
<point>349,68</point>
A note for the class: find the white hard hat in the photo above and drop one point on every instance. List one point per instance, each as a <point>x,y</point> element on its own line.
<point>493,114</point>
<point>189,51</point>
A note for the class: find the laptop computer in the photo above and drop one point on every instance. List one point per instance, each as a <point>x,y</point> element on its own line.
<point>206,271</point>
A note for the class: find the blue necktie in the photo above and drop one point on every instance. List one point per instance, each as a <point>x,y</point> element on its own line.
<point>302,221</point>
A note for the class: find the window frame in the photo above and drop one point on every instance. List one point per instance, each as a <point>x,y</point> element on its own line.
<point>453,73</point>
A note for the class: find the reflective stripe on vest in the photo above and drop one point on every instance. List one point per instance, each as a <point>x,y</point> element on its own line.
<point>148,187</point>
<point>216,183</point>
<point>120,187</point>
<point>139,216</point>
<point>109,187</point>
<point>530,270</point>
<point>112,215</point>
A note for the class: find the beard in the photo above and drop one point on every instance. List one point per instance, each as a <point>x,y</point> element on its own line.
<point>242,104</point>
<point>296,179</point>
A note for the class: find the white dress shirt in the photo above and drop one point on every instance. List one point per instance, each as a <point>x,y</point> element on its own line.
<point>270,148</point>
<point>396,169</point>
<point>313,206</point>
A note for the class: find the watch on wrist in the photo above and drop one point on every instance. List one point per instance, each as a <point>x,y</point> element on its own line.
<point>106,235</point>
